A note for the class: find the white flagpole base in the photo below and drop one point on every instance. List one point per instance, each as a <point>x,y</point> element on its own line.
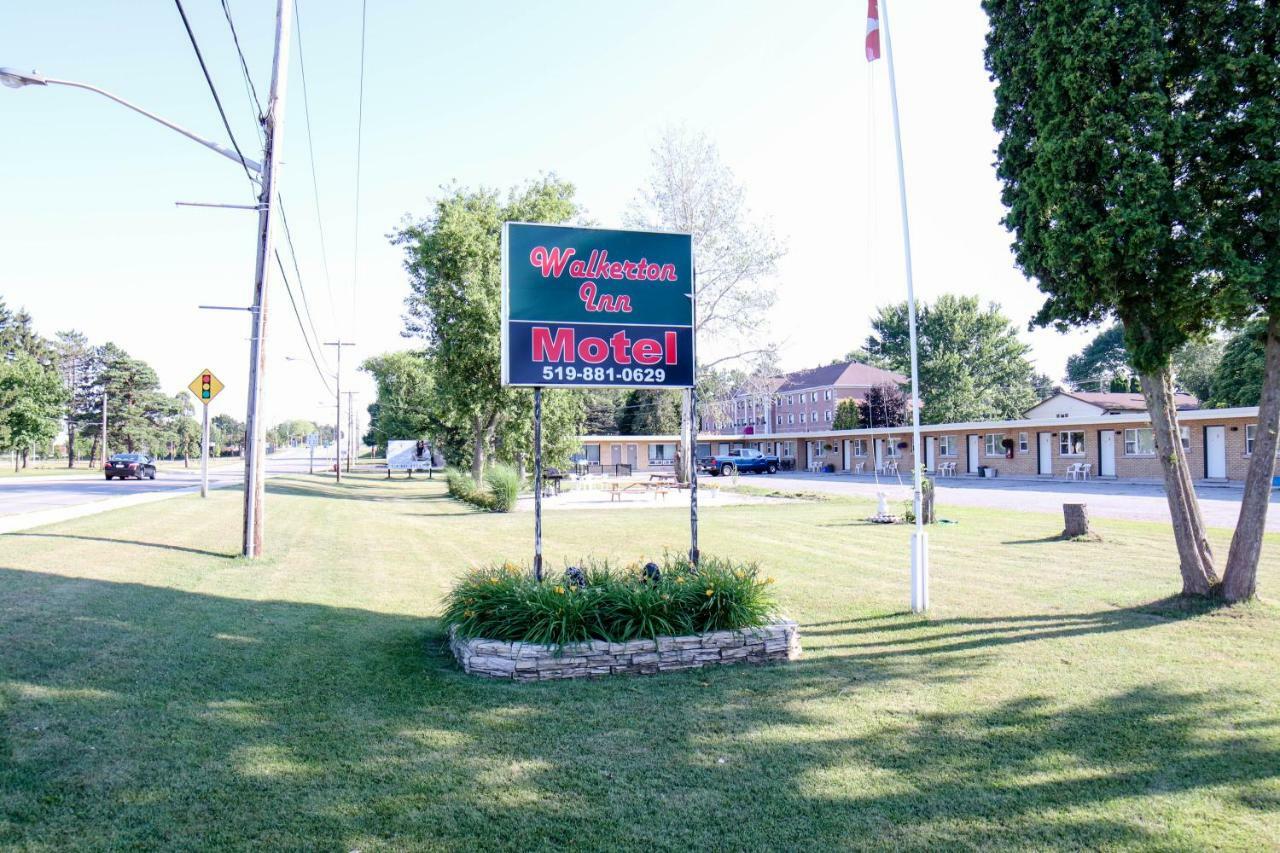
<point>919,571</point>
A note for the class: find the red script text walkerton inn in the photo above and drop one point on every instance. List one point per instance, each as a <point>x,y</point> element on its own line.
<point>552,262</point>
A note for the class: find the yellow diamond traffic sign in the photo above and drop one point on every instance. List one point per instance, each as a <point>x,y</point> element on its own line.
<point>205,386</point>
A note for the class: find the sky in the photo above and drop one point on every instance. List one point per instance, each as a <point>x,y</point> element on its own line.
<point>492,94</point>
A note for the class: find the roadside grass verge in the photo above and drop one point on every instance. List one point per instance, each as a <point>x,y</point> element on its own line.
<point>156,691</point>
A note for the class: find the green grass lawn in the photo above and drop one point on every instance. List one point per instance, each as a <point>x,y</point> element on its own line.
<point>157,692</point>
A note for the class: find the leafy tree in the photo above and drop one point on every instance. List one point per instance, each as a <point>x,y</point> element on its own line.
<point>73,356</point>
<point>406,399</point>
<point>1237,175</point>
<point>1103,364</point>
<point>563,415</point>
<point>1196,364</point>
<point>18,336</point>
<point>31,400</point>
<point>846,416</point>
<point>1104,129</point>
<point>453,258</point>
<point>225,431</point>
<point>1043,386</point>
<point>884,406</point>
<point>690,190</point>
<point>137,409</point>
<point>1238,378</point>
<point>602,408</point>
<point>650,411</point>
<point>972,365</point>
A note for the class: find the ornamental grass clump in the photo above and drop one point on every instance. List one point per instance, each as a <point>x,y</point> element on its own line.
<point>600,601</point>
<point>500,492</point>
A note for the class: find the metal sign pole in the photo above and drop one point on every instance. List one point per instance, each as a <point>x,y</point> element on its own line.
<point>204,455</point>
<point>691,400</point>
<point>537,483</point>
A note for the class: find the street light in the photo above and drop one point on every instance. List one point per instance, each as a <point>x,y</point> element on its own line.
<point>17,80</point>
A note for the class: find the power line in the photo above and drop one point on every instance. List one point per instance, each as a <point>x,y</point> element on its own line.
<point>284,276</point>
<point>315,183</point>
<point>355,264</point>
<point>250,89</point>
<point>213,89</point>
<point>306,303</point>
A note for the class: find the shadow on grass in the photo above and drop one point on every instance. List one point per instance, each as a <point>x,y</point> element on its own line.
<point>111,540</point>
<point>136,716</point>
<point>349,490</point>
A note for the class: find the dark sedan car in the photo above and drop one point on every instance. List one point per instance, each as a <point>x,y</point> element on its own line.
<point>124,465</point>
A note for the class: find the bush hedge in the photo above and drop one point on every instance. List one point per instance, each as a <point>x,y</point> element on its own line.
<point>500,492</point>
<point>600,601</point>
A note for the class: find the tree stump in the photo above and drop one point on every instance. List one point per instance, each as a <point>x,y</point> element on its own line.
<point>1076,517</point>
<point>927,515</point>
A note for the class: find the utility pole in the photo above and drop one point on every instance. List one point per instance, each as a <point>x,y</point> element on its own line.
<point>255,429</point>
<point>104,428</point>
<point>351,427</point>
<point>337,418</point>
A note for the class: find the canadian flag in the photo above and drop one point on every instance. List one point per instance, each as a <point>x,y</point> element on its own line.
<point>873,30</point>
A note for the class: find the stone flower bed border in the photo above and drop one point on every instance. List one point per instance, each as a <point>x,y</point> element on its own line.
<point>778,641</point>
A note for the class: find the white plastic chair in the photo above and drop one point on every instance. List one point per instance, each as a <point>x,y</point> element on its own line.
<point>1086,470</point>
<point>1074,470</point>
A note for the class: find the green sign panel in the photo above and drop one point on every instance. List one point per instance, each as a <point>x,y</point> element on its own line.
<point>596,307</point>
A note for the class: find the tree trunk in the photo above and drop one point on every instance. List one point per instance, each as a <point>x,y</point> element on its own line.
<point>1195,557</point>
<point>1075,521</point>
<point>1240,580</point>
<point>71,442</point>
<point>478,448</point>
<point>26,456</point>
<point>93,452</point>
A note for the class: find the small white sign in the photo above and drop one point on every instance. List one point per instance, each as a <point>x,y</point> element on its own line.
<point>409,456</point>
<point>313,440</point>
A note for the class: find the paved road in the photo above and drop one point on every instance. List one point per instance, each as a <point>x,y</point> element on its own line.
<point>50,496</point>
<point>1140,501</point>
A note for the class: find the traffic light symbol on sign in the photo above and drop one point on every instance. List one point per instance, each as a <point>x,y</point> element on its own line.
<point>206,387</point>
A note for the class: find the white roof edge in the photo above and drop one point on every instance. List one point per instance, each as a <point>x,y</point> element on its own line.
<point>968,426</point>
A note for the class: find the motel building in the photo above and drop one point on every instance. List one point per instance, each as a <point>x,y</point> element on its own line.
<point>1064,437</point>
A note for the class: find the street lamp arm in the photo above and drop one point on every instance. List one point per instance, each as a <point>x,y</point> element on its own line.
<point>37,80</point>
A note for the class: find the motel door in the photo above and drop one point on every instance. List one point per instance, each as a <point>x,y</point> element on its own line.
<point>879,452</point>
<point>928,453</point>
<point>971,461</point>
<point>633,454</point>
<point>1215,452</point>
<point>848,455</point>
<point>1045,452</point>
<point>615,454</point>
<point>1107,453</point>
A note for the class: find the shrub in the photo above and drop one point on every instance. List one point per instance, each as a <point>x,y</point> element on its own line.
<point>499,494</point>
<point>504,487</point>
<point>506,603</point>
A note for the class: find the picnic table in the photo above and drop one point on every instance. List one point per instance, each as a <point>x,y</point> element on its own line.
<point>656,488</point>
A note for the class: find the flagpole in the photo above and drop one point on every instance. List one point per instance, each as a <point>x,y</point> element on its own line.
<point>919,539</point>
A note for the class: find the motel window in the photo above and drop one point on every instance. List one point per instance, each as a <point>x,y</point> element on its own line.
<point>947,445</point>
<point>826,395</point>
<point>591,452</point>
<point>993,447</point>
<point>1023,444</point>
<point>1071,443</point>
<point>791,418</point>
<point>788,449</point>
<point>828,416</point>
<point>891,448</point>
<point>662,452</point>
<point>813,398</point>
<point>1250,434</point>
<point>779,420</point>
<point>1186,437</point>
<point>791,399</point>
<point>1140,441</point>
<point>859,447</point>
<point>704,449</point>
<point>802,417</point>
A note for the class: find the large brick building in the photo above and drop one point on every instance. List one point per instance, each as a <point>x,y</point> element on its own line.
<point>801,402</point>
